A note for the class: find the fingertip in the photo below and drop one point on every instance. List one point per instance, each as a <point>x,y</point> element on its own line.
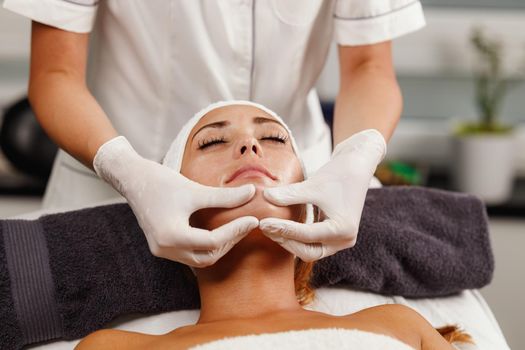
<point>270,193</point>
<point>247,220</point>
<point>268,224</point>
<point>295,193</point>
<point>243,226</point>
<point>276,238</point>
<point>230,197</point>
<point>267,193</point>
<point>252,222</point>
<point>244,193</point>
<point>308,259</point>
<point>249,189</point>
<point>264,221</point>
<point>274,227</point>
<point>255,220</point>
<point>201,260</point>
<point>251,217</point>
<point>307,252</point>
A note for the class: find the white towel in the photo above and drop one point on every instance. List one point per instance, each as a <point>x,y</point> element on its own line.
<point>326,338</point>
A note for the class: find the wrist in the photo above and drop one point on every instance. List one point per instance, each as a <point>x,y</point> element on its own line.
<point>113,159</point>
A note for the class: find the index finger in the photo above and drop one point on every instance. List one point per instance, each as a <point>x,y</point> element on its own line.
<point>324,231</point>
<point>224,197</point>
<point>234,231</point>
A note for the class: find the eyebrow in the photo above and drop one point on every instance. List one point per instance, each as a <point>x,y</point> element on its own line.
<point>262,120</point>
<point>224,123</point>
<point>218,125</point>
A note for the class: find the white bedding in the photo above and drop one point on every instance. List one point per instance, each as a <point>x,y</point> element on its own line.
<point>318,339</point>
<point>468,309</point>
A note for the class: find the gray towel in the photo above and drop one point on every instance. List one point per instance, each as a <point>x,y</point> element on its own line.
<point>66,275</point>
<point>415,242</point>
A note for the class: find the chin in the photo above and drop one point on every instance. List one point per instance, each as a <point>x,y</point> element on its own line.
<point>259,207</point>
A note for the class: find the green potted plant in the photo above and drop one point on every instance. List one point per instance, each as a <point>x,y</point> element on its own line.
<point>483,150</point>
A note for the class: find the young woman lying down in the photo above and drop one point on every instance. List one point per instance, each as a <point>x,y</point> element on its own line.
<point>254,296</point>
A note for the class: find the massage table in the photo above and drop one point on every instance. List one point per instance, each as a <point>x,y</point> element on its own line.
<point>467,309</point>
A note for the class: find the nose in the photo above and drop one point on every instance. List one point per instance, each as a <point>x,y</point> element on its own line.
<point>249,147</point>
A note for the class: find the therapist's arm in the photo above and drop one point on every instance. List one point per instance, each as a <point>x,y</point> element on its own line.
<point>369,96</point>
<point>58,94</point>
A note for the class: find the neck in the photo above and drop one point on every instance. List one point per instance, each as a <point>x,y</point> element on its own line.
<point>255,278</point>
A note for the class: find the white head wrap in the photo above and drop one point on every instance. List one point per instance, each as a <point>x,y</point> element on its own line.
<point>175,154</point>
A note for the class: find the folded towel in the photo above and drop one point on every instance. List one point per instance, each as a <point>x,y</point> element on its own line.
<point>66,275</point>
<point>415,242</point>
<point>328,338</point>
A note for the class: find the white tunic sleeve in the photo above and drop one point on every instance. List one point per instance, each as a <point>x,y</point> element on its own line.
<point>362,22</point>
<point>71,15</point>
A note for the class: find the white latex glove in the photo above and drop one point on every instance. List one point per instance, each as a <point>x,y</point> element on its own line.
<point>163,200</point>
<point>338,189</point>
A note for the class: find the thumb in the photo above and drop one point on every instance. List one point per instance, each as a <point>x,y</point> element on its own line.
<point>225,197</point>
<point>229,235</point>
<point>296,193</point>
<point>235,230</point>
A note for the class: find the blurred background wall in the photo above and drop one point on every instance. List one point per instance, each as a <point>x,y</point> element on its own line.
<point>435,70</point>
<point>14,56</point>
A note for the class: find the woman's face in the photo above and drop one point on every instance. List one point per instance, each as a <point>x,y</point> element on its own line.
<point>236,145</point>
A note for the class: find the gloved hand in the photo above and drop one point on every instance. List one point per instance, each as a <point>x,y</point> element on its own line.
<point>163,200</point>
<point>338,189</point>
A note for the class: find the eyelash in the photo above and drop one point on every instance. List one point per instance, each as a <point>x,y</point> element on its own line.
<point>278,137</point>
<point>205,143</point>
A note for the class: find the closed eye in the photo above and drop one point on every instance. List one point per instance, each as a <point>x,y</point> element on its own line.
<point>280,138</point>
<point>206,143</point>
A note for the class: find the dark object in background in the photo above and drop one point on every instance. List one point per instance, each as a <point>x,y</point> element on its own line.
<point>24,143</point>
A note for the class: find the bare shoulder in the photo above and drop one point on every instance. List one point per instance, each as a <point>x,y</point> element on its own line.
<point>393,313</point>
<point>408,325</point>
<point>394,320</point>
<point>113,339</point>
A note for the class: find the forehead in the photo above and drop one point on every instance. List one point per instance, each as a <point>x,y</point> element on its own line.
<point>235,114</point>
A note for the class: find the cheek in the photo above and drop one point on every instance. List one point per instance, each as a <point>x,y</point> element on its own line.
<point>211,176</point>
<point>289,169</point>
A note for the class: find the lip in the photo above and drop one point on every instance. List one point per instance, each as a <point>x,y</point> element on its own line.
<point>254,168</point>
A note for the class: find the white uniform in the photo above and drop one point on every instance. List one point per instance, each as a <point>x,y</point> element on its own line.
<point>153,64</point>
